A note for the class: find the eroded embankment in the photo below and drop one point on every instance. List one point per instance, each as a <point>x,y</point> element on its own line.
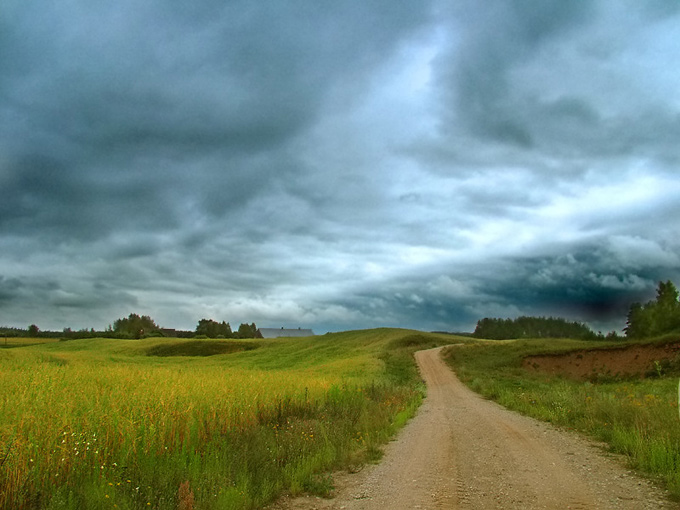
<point>634,360</point>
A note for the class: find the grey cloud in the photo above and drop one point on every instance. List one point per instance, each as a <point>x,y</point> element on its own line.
<point>252,76</point>
<point>594,282</point>
<point>63,201</point>
<point>644,256</point>
<point>418,165</point>
<point>589,282</point>
<point>87,301</point>
<point>523,77</point>
<point>126,111</point>
<point>9,287</point>
<point>499,36</point>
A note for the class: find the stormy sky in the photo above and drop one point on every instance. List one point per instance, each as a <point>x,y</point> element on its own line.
<point>337,165</point>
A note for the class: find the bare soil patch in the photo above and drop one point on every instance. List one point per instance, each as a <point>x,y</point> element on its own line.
<point>634,360</point>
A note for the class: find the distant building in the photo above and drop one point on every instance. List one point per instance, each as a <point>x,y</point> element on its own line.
<point>283,332</point>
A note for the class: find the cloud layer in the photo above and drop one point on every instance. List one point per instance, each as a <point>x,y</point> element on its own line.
<point>336,165</point>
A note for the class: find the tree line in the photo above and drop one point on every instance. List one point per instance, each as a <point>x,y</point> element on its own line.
<point>531,327</point>
<point>213,329</point>
<point>656,317</point>
<point>136,326</point>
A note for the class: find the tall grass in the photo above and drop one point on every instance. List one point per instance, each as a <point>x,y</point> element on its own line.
<point>636,417</point>
<point>160,423</point>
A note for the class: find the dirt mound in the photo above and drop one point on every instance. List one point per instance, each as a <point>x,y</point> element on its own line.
<point>634,360</point>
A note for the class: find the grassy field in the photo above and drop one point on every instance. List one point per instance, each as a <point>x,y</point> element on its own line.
<point>176,423</point>
<point>11,342</point>
<point>637,417</point>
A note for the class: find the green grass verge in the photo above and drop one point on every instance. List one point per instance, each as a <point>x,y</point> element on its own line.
<point>636,417</point>
<point>171,423</point>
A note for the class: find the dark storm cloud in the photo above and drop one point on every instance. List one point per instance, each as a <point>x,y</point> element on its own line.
<point>122,109</point>
<point>586,286</point>
<point>502,35</point>
<point>594,282</point>
<point>567,81</point>
<point>148,144</point>
<point>9,288</point>
<point>336,164</point>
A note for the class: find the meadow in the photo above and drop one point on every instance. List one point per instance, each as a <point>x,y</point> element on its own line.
<point>636,417</point>
<point>209,424</point>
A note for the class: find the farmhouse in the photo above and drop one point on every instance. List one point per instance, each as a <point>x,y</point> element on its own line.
<point>282,332</point>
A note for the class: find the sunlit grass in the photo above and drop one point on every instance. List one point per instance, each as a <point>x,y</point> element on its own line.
<point>102,423</point>
<point>636,417</point>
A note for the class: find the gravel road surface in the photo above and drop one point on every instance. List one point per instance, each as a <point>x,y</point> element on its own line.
<point>464,452</point>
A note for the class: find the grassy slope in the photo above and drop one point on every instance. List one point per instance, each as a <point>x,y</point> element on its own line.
<point>101,423</point>
<point>638,418</point>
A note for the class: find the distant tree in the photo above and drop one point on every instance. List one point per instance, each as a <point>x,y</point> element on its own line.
<point>638,322</point>
<point>12,332</point>
<point>213,329</point>
<point>135,326</point>
<point>613,336</point>
<point>248,331</point>
<point>531,327</point>
<point>667,312</point>
<point>656,317</point>
<point>243,331</point>
<point>33,330</point>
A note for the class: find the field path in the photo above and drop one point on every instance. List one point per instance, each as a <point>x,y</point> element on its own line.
<point>464,452</point>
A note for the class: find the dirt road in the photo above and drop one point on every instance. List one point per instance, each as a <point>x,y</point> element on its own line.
<point>464,452</point>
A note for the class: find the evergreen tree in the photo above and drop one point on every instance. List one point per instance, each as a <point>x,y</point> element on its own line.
<point>531,327</point>
<point>656,317</point>
<point>135,326</point>
<point>213,329</point>
<point>248,331</point>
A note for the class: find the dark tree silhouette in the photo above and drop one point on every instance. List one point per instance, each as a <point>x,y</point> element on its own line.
<point>531,327</point>
<point>135,326</point>
<point>656,317</point>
